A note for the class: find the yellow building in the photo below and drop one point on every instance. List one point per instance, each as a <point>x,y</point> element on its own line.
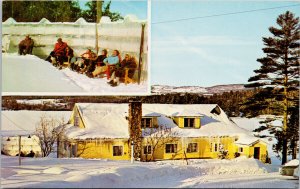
<point>167,131</point>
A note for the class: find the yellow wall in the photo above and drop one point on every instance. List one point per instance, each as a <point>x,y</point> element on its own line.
<point>74,114</point>
<point>102,149</point>
<point>203,151</point>
<point>180,121</point>
<point>248,151</point>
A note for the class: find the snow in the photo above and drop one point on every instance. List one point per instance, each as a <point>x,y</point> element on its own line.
<point>109,121</point>
<point>92,173</point>
<point>30,74</point>
<point>253,123</point>
<point>24,122</point>
<point>294,162</point>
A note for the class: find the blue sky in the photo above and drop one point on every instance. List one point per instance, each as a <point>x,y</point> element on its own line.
<point>212,50</point>
<point>125,7</point>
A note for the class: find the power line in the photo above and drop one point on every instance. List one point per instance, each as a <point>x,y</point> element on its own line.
<point>223,14</point>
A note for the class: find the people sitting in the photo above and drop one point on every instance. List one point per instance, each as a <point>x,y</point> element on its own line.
<point>129,63</point>
<point>69,54</point>
<point>88,57</point>
<point>58,53</point>
<point>96,70</point>
<point>26,46</point>
<point>109,63</point>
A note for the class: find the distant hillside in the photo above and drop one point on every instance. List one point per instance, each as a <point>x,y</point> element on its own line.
<point>218,89</point>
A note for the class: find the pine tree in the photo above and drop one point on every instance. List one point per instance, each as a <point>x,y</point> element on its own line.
<point>90,14</point>
<point>279,73</point>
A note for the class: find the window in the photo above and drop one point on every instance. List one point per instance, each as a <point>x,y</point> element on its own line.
<point>117,150</point>
<point>189,122</point>
<point>214,147</point>
<point>241,149</point>
<point>146,122</point>
<point>171,148</point>
<point>192,147</point>
<point>147,150</point>
<point>76,121</point>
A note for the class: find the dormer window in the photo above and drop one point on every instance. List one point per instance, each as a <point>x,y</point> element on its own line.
<point>189,122</point>
<point>147,122</point>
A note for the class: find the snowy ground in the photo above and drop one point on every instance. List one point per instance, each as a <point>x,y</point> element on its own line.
<point>30,74</point>
<point>92,173</point>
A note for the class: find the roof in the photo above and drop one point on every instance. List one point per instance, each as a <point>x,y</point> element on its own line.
<point>108,120</point>
<point>248,140</point>
<point>24,122</point>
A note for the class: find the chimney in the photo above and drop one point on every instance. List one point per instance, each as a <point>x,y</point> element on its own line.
<point>134,126</point>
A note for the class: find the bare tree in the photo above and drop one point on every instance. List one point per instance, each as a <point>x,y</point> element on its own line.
<point>157,137</point>
<point>48,130</point>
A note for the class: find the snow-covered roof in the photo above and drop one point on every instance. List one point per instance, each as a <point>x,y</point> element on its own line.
<point>187,112</point>
<point>109,121</point>
<point>24,122</point>
<point>248,140</point>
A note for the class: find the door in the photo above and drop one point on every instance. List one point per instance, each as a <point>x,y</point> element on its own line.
<point>256,152</point>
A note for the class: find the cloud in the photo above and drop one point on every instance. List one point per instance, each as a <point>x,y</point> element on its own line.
<point>180,45</point>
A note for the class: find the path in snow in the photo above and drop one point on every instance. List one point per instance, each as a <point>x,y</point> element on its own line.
<point>92,173</point>
<point>31,74</point>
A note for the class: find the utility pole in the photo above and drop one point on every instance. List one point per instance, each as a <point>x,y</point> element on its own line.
<point>19,150</point>
<point>132,151</point>
<point>98,18</point>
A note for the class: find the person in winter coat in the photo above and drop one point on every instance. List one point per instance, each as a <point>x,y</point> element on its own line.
<point>128,62</point>
<point>26,46</point>
<point>58,51</point>
<point>69,54</point>
<point>88,57</point>
<point>97,64</point>
<point>111,61</point>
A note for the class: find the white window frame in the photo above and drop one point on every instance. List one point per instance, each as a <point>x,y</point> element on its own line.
<point>213,146</point>
<point>147,152</point>
<point>241,150</point>
<point>175,148</point>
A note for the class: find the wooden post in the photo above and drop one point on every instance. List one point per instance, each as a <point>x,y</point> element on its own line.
<point>98,18</point>
<point>141,52</point>
<point>19,150</point>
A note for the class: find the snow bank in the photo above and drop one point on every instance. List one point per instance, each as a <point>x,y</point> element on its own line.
<point>84,173</point>
<point>294,162</point>
<point>54,170</point>
<point>30,74</point>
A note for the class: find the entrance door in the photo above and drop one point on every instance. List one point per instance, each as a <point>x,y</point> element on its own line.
<point>256,152</point>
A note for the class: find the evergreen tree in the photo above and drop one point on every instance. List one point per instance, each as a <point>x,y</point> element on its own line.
<point>90,14</point>
<point>34,11</point>
<point>278,74</point>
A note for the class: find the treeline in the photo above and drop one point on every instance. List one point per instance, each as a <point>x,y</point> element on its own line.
<point>230,102</point>
<point>54,11</point>
<point>233,103</point>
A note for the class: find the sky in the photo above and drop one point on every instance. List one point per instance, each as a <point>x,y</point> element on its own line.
<point>211,50</point>
<point>125,7</point>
